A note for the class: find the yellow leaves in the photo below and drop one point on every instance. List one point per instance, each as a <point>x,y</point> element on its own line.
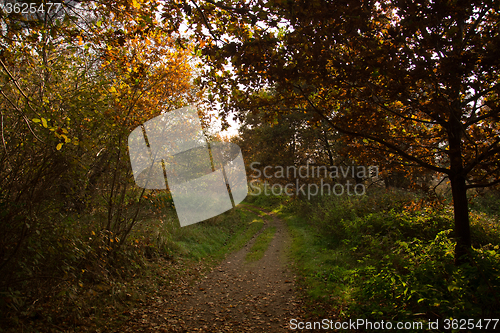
<point>136,4</point>
<point>43,120</point>
<point>66,139</point>
<point>59,132</point>
<point>398,105</point>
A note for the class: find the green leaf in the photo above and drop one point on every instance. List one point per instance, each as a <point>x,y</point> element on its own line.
<point>35,120</point>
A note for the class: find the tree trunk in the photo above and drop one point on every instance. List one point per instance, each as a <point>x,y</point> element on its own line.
<point>462,226</point>
<point>328,149</point>
<point>459,189</point>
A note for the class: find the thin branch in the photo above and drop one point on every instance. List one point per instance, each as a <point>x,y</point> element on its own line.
<point>3,138</point>
<point>482,185</point>
<point>18,87</point>
<point>229,8</point>
<point>442,180</point>
<point>473,120</point>
<point>205,20</point>
<point>376,139</point>
<point>26,120</point>
<point>493,149</point>
<point>480,94</point>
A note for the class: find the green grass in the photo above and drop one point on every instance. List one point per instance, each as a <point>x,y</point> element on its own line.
<point>252,208</point>
<point>213,238</point>
<point>326,274</point>
<point>266,201</point>
<point>261,244</point>
<point>255,225</point>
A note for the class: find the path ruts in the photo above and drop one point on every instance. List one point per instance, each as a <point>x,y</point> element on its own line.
<point>235,297</point>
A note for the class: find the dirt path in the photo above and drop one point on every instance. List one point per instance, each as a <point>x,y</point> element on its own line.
<point>235,297</point>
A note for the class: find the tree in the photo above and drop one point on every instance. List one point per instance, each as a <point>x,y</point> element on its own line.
<point>417,82</point>
<point>73,86</point>
<point>296,142</point>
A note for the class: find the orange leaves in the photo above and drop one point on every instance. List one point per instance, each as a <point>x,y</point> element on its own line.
<point>148,70</point>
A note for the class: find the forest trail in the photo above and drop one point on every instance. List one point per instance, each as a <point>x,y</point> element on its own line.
<point>236,296</point>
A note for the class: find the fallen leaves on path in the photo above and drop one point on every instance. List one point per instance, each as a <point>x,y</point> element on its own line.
<point>234,297</point>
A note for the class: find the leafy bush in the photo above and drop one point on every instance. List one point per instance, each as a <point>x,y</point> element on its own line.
<point>419,279</point>
<point>390,255</point>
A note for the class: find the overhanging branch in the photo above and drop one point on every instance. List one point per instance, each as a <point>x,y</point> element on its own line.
<point>389,145</point>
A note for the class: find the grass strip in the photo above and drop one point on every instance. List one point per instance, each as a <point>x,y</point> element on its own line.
<point>261,244</point>
<point>327,275</point>
<point>254,226</point>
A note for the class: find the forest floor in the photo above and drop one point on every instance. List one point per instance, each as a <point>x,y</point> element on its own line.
<point>235,296</point>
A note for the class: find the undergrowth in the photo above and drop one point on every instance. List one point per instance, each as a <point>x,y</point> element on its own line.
<point>389,255</point>
<point>76,284</point>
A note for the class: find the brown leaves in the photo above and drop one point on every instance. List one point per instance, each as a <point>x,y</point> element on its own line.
<point>233,297</point>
